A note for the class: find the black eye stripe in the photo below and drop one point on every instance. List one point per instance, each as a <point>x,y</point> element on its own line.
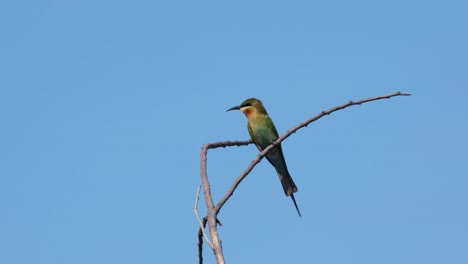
<point>246,104</point>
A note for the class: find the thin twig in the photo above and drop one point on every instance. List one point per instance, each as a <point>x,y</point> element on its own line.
<point>262,154</point>
<point>200,241</point>
<point>202,226</point>
<point>224,144</point>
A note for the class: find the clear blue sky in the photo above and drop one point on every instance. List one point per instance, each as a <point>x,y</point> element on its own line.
<point>104,107</point>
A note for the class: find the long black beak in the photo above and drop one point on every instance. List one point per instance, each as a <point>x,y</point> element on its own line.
<point>234,108</point>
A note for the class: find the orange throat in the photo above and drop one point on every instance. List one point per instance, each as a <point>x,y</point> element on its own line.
<point>247,112</point>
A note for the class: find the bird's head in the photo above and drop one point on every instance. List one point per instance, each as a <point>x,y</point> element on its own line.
<point>250,106</point>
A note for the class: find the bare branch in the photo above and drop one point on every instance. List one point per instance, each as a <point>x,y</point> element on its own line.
<point>213,211</point>
<point>211,217</point>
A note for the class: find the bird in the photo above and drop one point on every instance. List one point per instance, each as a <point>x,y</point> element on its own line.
<point>263,132</point>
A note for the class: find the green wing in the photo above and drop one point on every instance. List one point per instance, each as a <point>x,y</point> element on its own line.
<point>264,132</point>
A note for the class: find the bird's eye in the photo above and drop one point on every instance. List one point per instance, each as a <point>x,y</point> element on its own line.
<point>246,104</point>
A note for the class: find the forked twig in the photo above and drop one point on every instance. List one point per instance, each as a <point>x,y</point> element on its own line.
<point>202,226</point>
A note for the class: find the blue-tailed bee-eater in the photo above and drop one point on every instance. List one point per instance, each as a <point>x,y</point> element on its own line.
<point>263,132</point>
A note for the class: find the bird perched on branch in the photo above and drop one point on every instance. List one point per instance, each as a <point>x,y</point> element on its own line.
<point>263,132</point>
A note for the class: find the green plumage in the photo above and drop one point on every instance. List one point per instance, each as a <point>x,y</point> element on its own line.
<point>263,132</point>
